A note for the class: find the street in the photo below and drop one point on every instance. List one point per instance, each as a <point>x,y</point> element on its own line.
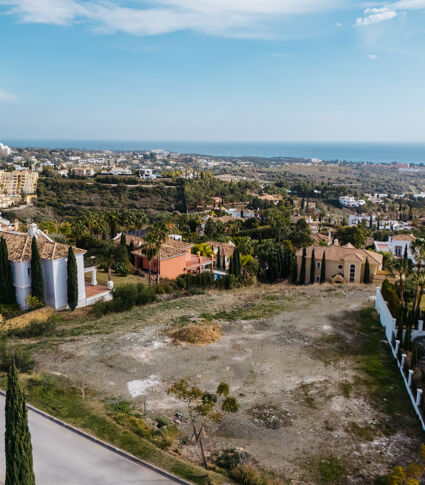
<point>62,457</point>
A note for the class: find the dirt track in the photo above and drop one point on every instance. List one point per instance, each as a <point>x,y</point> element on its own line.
<point>297,392</point>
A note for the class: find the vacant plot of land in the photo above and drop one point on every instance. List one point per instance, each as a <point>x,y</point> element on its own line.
<point>313,390</point>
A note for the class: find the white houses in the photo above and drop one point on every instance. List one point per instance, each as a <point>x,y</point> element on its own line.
<point>54,263</point>
<point>396,245</point>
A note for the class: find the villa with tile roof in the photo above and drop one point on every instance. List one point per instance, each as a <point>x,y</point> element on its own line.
<point>344,264</point>
<point>54,257</point>
<point>396,245</point>
<point>175,258</point>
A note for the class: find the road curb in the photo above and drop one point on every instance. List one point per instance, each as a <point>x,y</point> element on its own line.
<point>106,445</point>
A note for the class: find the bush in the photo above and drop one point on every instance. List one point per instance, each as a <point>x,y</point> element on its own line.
<point>10,311</point>
<point>22,357</point>
<point>249,474</point>
<point>205,280</point>
<point>125,298</point>
<point>390,296</point>
<point>36,328</point>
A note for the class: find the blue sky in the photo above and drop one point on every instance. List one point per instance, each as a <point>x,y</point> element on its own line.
<point>246,70</point>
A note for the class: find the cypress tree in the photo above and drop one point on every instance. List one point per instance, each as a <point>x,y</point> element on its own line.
<point>294,270</point>
<point>218,264</point>
<point>224,262</point>
<point>130,250</point>
<point>231,265</point>
<point>302,269</point>
<point>123,241</point>
<point>405,256</point>
<point>323,268</point>
<point>72,281</point>
<point>366,277</point>
<point>312,265</point>
<point>18,448</point>
<point>7,290</point>
<point>37,280</point>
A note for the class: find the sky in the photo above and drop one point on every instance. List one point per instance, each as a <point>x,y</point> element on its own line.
<point>205,70</point>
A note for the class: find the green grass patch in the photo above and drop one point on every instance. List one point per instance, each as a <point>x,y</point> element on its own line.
<point>116,425</point>
<point>328,470</point>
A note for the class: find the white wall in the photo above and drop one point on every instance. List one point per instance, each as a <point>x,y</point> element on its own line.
<point>21,281</point>
<point>81,281</point>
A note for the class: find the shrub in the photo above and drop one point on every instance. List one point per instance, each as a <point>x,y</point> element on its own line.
<point>36,328</point>
<point>390,296</point>
<point>10,311</point>
<point>22,357</point>
<point>249,474</point>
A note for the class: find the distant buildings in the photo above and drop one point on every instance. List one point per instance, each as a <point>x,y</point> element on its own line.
<point>17,186</point>
<point>5,150</point>
<point>348,201</point>
<point>84,171</point>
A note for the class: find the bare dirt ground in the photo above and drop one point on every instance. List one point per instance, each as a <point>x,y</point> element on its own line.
<point>280,352</point>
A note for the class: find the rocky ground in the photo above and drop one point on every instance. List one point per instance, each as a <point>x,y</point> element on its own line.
<point>289,355</point>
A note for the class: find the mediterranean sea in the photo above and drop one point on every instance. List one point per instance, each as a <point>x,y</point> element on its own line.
<point>355,152</point>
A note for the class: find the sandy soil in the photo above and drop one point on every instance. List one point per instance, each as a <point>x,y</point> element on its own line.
<point>282,367</point>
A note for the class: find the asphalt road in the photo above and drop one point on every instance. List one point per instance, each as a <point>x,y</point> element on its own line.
<point>62,457</point>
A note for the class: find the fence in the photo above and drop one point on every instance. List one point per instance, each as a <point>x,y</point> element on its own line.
<point>390,324</point>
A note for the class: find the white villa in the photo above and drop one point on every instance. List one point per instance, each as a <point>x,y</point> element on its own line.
<point>54,263</point>
<point>396,245</point>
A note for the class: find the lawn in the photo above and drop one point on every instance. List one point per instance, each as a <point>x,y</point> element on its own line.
<point>102,279</point>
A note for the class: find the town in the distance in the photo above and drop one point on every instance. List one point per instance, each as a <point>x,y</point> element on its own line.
<point>207,319</point>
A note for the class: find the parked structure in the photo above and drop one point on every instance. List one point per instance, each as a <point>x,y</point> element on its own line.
<point>54,263</point>
<point>344,264</point>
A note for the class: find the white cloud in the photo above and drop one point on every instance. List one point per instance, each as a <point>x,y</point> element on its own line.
<point>338,24</point>
<point>376,15</point>
<point>220,17</point>
<point>373,57</point>
<point>5,96</point>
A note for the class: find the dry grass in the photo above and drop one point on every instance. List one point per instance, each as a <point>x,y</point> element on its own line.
<point>197,334</point>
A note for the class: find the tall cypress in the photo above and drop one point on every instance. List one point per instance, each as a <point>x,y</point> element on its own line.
<point>405,256</point>
<point>72,281</point>
<point>224,262</point>
<point>37,280</point>
<point>123,240</point>
<point>312,266</point>
<point>218,263</point>
<point>294,270</point>
<point>366,277</point>
<point>302,269</point>
<point>323,268</point>
<point>18,448</point>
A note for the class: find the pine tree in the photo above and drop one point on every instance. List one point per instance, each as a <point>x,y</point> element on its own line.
<point>218,264</point>
<point>302,269</point>
<point>312,266</point>
<point>37,279</point>
<point>366,277</point>
<point>323,268</point>
<point>72,281</point>
<point>18,448</point>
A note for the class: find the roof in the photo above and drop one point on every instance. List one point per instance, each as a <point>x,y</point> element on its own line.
<point>404,237</point>
<point>342,253</point>
<point>318,238</point>
<point>225,248</point>
<point>169,249</point>
<point>19,247</point>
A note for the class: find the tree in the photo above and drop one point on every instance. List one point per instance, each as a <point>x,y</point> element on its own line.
<point>405,255</point>
<point>366,276</point>
<point>7,290</point>
<point>159,234</point>
<point>150,250</point>
<point>37,279</point>
<point>323,268</point>
<point>236,263</point>
<point>123,240</point>
<point>204,406</point>
<point>312,266</point>
<point>72,280</point>
<point>218,264</point>
<point>351,234</point>
<point>18,448</point>
<point>303,267</point>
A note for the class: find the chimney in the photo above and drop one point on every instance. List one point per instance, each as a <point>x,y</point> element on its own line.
<point>336,242</point>
<point>33,230</point>
<point>330,238</point>
<point>16,225</point>
<point>198,255</point>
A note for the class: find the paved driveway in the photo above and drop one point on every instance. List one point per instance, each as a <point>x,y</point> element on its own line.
<point>62,457</point>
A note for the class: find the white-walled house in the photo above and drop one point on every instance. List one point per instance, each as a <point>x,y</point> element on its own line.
<point>396,245</point>
<point>54,258</point>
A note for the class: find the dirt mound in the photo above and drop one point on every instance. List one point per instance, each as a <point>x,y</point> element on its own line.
<point>197,334</point>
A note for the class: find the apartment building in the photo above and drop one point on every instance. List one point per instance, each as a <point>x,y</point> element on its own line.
<point>18,182</point>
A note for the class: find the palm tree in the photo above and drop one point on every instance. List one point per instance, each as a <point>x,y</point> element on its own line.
<point>160,233</point>
<point>150,250</point>
<point>399,268</point>
<point>418,250</point>
<point>421,284</point>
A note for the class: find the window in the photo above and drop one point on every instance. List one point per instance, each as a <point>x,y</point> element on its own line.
<point>397,250</point>
<point>352,273</point>
<point>29,272</point>
<point>340,267</point>
<point>318,265</point>
<point>317,279</point>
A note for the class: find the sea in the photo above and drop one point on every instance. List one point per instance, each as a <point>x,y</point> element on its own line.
<point>354,152</point>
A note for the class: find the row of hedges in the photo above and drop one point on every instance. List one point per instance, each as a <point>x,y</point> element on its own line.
<point>125,298</point>
<point>205,280</point>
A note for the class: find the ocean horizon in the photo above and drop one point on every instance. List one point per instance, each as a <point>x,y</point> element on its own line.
<point>379,152</point>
